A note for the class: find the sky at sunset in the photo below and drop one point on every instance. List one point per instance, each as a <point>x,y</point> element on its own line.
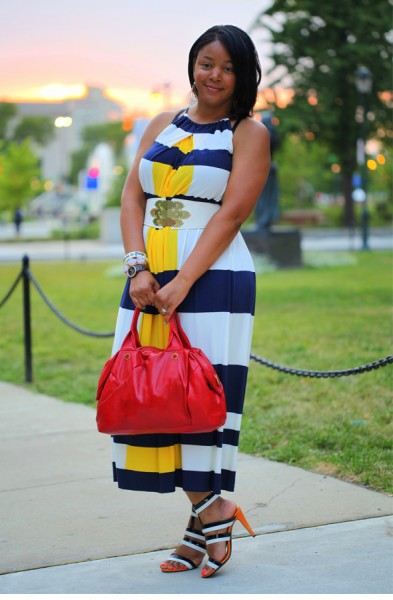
<point>51,48</point>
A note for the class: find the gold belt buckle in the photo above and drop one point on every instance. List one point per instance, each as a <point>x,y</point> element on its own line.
<point>169,213</point>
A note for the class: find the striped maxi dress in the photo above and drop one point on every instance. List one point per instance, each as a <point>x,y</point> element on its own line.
<point>188,166</point>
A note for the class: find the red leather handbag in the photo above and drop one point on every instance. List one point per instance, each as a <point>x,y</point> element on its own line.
<point>143,389</point>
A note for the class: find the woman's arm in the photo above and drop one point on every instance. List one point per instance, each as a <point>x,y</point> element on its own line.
<point>250,168</point>
<point>133,203</point>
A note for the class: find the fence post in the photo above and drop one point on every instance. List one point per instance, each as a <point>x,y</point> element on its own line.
<point>27,320</point>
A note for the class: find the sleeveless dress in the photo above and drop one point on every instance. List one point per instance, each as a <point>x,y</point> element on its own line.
<point>188,166</point>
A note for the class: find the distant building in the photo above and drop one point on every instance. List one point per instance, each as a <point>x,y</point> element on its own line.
<point>71,117</point>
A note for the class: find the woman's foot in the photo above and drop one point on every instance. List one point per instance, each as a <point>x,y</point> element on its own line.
<point>218,519</point>
<point>219,510</point>
<point>189,554</point>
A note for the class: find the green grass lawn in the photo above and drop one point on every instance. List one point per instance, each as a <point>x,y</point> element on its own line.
<point>325,318</point>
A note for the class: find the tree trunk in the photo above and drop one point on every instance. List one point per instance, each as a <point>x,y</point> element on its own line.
<point>349,212</point>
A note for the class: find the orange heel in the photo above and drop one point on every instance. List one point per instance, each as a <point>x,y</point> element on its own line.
<point>239,516</point>
<point>212,565</point>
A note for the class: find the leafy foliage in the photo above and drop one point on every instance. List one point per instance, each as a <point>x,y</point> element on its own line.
<point>115,192</point>
<point>18,167</point>
<point>112,133</point>
<point>317,49</point>
<point>78,162</point>
<point>304,170</point>
<point>40,129</point>
<point>7,111</point>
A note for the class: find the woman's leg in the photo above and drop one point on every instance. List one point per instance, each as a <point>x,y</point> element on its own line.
<point>192,547</point>
<point>218,509</point>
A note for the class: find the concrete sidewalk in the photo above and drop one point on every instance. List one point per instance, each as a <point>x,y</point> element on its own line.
<point>326,240</point>
<point>66,528</point>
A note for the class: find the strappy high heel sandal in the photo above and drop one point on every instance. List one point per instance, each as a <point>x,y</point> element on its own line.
<point>192,538</point>
<point>212,565</point>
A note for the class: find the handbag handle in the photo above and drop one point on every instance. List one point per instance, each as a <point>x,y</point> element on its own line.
<point>176,332</point>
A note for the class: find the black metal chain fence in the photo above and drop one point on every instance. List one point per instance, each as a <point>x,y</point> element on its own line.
<point>11,290</point>
<point>382,362</point>
<point>61,316</point>
<point>28,277</point>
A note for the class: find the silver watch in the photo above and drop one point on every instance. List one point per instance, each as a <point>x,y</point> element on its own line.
<point>134,270</point>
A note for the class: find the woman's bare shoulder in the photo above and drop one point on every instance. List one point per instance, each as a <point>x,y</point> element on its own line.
<point>251,132</point>
<point>251,126</point>
<point>162,120</point>
<point>155,127</point>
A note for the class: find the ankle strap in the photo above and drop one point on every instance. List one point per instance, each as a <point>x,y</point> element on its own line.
<point>205,502</point>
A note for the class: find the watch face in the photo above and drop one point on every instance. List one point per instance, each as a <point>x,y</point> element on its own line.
<point>134,269</point>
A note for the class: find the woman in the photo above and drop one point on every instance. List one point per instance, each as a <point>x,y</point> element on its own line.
<point>197,177</point>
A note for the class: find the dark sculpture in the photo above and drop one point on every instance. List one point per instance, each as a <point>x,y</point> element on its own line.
<point>267,209</point>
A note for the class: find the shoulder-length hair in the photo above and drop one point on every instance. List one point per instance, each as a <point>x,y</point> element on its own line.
<point>245,60</point>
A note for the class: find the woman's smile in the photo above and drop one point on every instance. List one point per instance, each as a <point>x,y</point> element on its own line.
<point>213,88</point>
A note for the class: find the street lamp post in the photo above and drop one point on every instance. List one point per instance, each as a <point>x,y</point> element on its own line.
<point>364,82</point>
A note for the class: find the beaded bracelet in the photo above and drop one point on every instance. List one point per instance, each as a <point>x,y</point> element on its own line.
<point>138,260</point>
<point>133,255</point>
<point>135,258</point>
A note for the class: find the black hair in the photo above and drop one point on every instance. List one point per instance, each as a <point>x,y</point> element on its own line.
<point>245,60</point>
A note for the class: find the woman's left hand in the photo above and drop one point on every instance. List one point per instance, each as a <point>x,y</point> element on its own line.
<point>168,298</point>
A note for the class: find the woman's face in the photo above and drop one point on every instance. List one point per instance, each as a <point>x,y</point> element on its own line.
<point>214,76</point>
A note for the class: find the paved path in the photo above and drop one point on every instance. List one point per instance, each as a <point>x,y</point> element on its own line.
<point>66,528</point>
<point>326,240</point>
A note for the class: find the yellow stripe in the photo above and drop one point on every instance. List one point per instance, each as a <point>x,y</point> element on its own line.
<point>181,183</point>
<point>162,175</point>
<point>161,248</point>
<point>169,181</point>
<point>186,145</point>
<point>154,460</point>
<point>153,332</point>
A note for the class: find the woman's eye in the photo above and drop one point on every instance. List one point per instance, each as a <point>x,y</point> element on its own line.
<point>229,69</point>
<point>205,65</point>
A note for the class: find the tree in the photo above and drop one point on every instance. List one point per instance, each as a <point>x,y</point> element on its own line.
<point>78,163</point>
<point>113,133</point>
<point>114,194</point>
<point>39,129</point>
<point>317,49</point>
<point>7,112</point>
<point>304,166</point>
<point>18,168</point>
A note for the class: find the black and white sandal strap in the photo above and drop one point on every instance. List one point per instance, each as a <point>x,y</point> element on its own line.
<point>195,534</point>
<point>219,537</point>
<point>213,564</point>
<point>197,547</point>
<point>194,540</point>
<point>218,525</point>
<point>184,561</point>
<point>205,503</point>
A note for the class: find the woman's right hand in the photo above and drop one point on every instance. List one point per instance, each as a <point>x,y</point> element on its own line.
<point>143,289</point>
